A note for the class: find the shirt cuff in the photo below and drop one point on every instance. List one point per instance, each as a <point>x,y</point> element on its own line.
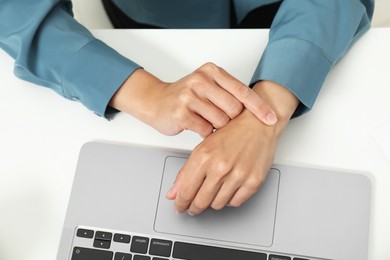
<point>95,74</point>
<point>298,65</point>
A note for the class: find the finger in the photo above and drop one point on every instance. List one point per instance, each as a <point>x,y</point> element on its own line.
<point>189,186</point>
<point>210,112</point>
<point>222,99</point>
<point>172,193</point>
<point>225,194</point>
<point>204,197</point>
<point>241,195</point>
<point>198,125</point>
<point>247,97</point>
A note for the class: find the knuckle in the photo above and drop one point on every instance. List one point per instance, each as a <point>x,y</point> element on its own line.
<point>237,177</point>
<point>206,130</point>
<point>197,78</point>
<point>209,67</point>
<point>179,115</point>
<point>252,184</point>
<point>220,168</point>
<point>195,81</point>
<point>236,109</point>
<point>244,91</point>
<point>241,91</point>
<point>185,196</point>
<point>222,120</point>
<point>199,204</point>
<point>184,98</point>
<point>201,154</point>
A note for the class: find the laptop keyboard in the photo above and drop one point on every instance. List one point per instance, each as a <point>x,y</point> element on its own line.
<point>91,244</point>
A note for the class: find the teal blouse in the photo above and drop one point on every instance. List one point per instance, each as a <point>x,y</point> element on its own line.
<point>52,49</point>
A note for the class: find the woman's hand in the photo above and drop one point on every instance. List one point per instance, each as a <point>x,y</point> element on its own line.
<point>205,100</point>
<point>231,164</point>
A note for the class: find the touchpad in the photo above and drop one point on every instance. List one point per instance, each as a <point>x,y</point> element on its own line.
<point>252,223</point>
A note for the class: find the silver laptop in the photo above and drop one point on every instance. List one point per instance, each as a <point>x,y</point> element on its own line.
<point>118,211</point>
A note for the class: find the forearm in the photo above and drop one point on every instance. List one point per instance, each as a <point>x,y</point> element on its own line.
<point>137,94</point>
<point>305,41</point>
<point>52,49</point>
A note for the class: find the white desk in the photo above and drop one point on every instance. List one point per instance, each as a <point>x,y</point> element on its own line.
<point>41,133</point>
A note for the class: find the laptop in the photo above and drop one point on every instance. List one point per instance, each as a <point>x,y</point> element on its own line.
<point>118,211</point>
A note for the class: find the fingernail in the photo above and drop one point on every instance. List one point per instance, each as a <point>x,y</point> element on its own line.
<point>180,212</point>
<point>190,213</point>
<point>271,118</point>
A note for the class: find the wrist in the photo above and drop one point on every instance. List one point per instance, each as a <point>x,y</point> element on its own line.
<point>282,100</point>
<point>134,94</point>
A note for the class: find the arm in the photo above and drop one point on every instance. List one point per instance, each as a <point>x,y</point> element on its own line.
<point>306,39</point>
<point>51,49</point>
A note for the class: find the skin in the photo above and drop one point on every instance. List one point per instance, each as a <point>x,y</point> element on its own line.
<point>230,164</point>
<point>215,176</point>
<point>205,100</point>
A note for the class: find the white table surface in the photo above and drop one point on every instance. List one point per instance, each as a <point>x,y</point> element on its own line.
<point>41,133</point>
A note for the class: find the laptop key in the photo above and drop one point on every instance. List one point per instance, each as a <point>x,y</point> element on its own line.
<point>80,253</point>
<point>139,245</point>
<point>120,238</point>
<point>103,235</point>
<point>278,257</point>
<point>102,244</point>
<point>160,247</point>
<point>201,252</point>
<point>141,257</point>
<point>122,256</point>
<point>86,233</point>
